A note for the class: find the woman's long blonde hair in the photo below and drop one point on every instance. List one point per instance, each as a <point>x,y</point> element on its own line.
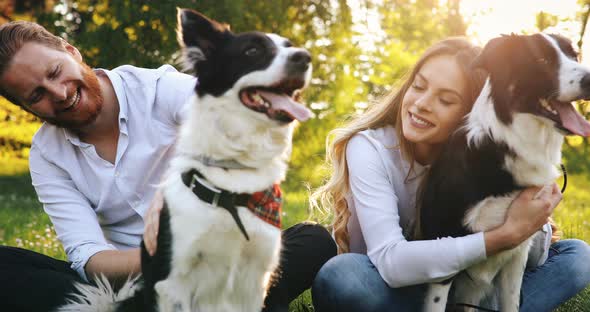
<point>387,112</point>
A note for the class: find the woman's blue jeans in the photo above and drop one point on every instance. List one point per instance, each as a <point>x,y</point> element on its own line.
<point>350,282</point>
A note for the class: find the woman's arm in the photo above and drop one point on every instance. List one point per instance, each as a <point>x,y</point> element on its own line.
<point>401,262</point>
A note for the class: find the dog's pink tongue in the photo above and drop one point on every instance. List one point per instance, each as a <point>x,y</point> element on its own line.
<point>286,103</point>
<point>571,119</point>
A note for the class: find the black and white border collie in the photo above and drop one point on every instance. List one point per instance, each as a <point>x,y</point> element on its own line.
<point>511,140</point>
<point>219,237</point>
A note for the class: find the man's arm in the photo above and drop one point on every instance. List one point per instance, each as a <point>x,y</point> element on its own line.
<point>76,223</point>
<point>116,265</point>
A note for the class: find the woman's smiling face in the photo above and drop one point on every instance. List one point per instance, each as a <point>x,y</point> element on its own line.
<point>434,105</point>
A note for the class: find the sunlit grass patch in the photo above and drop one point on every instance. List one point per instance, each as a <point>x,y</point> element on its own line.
<point>573,214</point>
<point>302,303</point>
<point>579,303</point>
<point>22,220</point>
<point>24,224</point>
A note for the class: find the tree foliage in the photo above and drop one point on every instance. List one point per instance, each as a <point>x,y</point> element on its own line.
<point>349,74</point>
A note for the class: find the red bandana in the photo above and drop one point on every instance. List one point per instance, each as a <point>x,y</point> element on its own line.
<point>267,205</point>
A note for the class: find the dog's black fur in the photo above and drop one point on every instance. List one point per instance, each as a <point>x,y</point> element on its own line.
<point>154,269</point>
<point>467,177</point>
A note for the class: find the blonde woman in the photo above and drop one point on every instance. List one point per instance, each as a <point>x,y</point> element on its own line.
<point>379,160</point>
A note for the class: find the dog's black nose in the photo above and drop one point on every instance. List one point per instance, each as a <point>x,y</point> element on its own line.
<point>299,61</point>
<point>585,83</point>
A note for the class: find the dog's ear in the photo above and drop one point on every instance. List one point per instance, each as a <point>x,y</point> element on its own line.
<point>493,50</point>
<point>199,36</point>
<point>496,59</point>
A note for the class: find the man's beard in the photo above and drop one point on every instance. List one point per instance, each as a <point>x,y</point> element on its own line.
<point>93,101</point>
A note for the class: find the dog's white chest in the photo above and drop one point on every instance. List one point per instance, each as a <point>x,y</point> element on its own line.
<point>214,267</point>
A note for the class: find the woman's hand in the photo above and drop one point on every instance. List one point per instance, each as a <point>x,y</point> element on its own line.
<point>527,214</point>
<point>530,210</point>
<point>152,223</point>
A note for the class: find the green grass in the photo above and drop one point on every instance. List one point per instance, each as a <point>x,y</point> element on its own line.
<point>22,220</point>
<point>24,224</point>
<point>572,217</point>
<point>573,214</point>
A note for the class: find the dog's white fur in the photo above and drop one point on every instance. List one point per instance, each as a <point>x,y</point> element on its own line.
<point>100,298</point>
<point>536,144</point>
<point>214,268</point>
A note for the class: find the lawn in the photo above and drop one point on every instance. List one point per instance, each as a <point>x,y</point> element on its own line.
<point>23,224</point>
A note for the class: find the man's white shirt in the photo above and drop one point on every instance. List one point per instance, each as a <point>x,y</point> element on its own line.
<point>96,205</point>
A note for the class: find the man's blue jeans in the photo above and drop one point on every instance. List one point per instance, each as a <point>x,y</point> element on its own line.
<point>350,282</point>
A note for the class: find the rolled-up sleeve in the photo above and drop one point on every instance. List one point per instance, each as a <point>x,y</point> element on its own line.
<point>75,222</point>
<point>539,251</point>
<point>399,262</point>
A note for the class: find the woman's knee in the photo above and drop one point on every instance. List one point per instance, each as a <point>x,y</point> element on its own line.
<point>335,273</point>
<point>576,253</point>
<point>349,282</point>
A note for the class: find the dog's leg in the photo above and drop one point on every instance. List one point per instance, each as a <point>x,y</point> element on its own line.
<point>259,260</point>
<point>164,301</point>
<point>511,276</point>
<point>437,295</point>
<point>469,290</point>
<point>477,281</point>
<point>170,297</point>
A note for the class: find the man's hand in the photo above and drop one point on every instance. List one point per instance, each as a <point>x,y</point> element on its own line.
<point>152,223</point>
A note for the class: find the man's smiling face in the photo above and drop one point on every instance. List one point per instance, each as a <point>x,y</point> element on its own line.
<point>54,85</point>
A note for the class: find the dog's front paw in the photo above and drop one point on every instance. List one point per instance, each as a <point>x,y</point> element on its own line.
<point>168,298</point>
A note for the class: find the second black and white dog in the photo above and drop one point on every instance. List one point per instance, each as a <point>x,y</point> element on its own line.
<point>511,140</point>
<point>219,238</point>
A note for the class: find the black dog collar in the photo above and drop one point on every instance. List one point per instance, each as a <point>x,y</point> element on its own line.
<point>217,197</point>
<point>564,178</point>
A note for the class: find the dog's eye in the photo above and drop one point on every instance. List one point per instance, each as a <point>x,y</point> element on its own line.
<point>251,52</point>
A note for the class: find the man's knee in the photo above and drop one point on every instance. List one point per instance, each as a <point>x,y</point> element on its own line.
<point>314,240</point>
